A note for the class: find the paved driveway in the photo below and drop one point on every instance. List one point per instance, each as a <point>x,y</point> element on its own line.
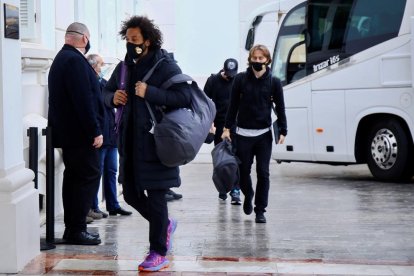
<point>321,220</point>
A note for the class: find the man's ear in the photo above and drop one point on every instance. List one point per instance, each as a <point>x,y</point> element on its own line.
<point>147,43</point>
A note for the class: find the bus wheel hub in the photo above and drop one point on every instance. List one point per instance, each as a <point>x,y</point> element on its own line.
<point>384,149</point>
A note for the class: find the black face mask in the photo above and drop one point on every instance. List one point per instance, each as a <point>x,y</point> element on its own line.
<point>87,47</point>
<point>257,66</point>
<point>134,51</point>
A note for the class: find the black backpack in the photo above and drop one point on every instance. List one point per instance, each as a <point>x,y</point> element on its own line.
<point>225,167</point>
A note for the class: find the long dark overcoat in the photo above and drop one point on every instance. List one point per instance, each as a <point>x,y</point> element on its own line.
<point>76,110</point>
<point>140,164</point>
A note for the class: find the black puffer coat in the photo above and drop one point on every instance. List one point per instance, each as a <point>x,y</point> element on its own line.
<point>141,165</point>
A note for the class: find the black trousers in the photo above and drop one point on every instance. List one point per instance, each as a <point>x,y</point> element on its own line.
<point>153,207</point>
<point>261,148</point>
<point>80,185</point>
<point>219,131</point>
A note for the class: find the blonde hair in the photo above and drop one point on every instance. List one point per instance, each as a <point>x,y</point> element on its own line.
<point>263,49</point>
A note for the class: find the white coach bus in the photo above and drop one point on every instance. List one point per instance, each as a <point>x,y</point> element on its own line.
<point>347,71</point>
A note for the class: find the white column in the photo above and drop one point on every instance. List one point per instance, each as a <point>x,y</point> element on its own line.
<point>19,204</point>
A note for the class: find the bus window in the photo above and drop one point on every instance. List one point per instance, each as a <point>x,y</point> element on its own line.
<point>280,66</point>
<point>373,24</point>
<point>290,33</point>
<point>341,28</point>
<point>296,63</point>
<point>327,26</point>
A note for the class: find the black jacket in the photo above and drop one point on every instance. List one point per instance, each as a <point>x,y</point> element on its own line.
<point>136,144</point>
<point>251,101</point>
<point>76,111</point>
<point>218,89</point>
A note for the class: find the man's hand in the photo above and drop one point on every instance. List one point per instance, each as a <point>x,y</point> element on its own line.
<point>226,134</point>
<point>281,139</point>
<point>212,128</point>
<point>97,141</point>
<point>120,97</point>
<point>140,89</point>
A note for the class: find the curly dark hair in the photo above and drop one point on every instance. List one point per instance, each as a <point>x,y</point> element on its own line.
<point>149,30</point>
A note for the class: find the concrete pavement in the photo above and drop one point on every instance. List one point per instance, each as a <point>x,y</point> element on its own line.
<point>321,220</point>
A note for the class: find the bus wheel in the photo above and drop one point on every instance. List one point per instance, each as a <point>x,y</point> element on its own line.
<point>389,154</point>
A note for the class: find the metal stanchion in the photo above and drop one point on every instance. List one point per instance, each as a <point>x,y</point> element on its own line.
<point>33,158</point>
<point>33,154</point>
<point>50,190</point>
<point>33,165</point>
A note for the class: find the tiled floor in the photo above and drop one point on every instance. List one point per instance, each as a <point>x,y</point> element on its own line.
<point>336,222</point>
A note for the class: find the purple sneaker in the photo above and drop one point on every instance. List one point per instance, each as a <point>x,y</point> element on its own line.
<point>170,231</point>
<point>153,262</point>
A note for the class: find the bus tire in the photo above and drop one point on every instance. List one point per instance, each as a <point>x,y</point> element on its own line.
<point>389,151</point>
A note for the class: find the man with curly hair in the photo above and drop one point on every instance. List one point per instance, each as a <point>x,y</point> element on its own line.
<point>145,179</point>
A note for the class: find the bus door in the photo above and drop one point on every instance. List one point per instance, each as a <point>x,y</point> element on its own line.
<point>327,27</point>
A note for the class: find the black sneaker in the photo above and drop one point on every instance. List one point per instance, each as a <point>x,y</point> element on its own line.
<point>222,196</point>
<point>247,206</point>
<point>169,197</point>
<point>235,197</point>
<point>260,218</point>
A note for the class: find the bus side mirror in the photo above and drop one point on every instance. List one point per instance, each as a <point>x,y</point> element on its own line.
<point>249,39</point>
<point>251,34</point>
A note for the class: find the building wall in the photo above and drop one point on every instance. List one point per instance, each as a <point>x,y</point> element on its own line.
<point>19,239</point>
